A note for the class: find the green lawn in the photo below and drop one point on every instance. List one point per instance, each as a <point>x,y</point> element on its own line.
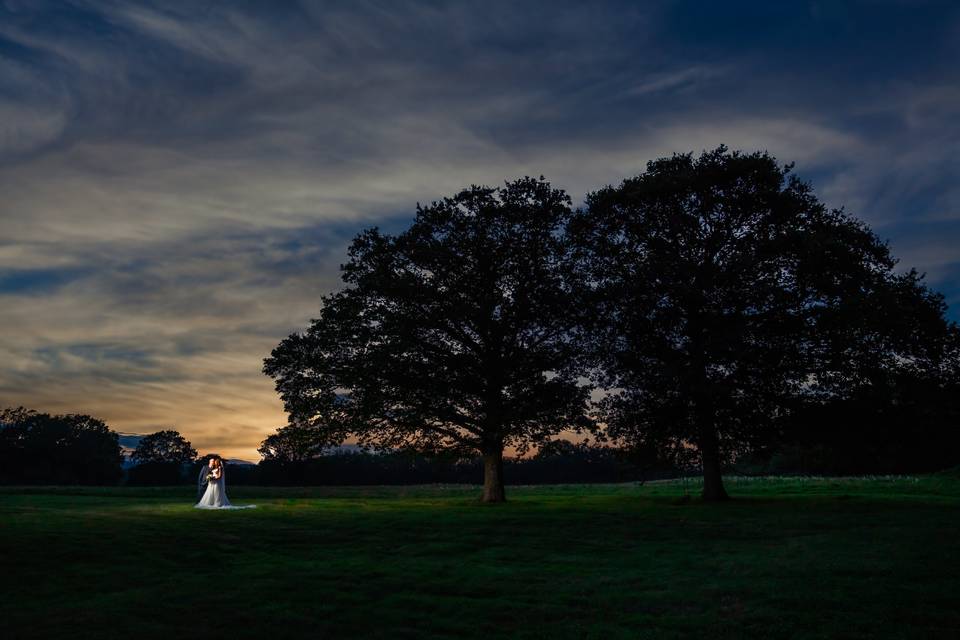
<point>787,558</point>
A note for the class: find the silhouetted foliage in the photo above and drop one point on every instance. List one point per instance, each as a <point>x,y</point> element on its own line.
<point>158,474</point>
<point>39,448</point>
<point>293,443</point>
<point>726,293</point>
<point>562,462</point>
<point>452,336</point>
<point>240,473</point>
<point>906,423</point>
<point>367,468</point>
<point>161,458</point>
<point>166,446</point>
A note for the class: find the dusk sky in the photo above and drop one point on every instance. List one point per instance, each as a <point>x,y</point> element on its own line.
<point>180,180</point>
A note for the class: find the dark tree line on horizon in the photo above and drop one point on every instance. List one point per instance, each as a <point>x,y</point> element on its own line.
<point>864,435</point>
<point>44,449</point>
<point>713,299</point>
<point>50,449</point>
<point>40,448</point>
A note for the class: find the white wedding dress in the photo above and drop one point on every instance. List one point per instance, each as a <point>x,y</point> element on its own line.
<point>215,497</point>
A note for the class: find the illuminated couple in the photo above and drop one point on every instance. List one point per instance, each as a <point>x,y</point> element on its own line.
<point>214,476</point>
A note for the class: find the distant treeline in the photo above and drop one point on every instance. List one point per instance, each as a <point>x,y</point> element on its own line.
<point>911,425</point>
<point>903,424</point>
<point>561,463</point>
<point>39,448</point>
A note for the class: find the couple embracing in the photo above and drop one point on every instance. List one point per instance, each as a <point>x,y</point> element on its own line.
<point>213,475</point>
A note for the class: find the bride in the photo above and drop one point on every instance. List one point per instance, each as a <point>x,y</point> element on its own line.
<point>215,497</point>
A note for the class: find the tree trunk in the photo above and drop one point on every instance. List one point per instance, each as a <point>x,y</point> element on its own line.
<point>709,441</point>
<point>493,476</point>
<point>713,490</point>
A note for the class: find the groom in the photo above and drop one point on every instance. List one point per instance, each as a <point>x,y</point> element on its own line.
<point>202,479</point>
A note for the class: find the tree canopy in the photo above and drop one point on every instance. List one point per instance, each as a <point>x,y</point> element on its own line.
<point>166,446</point>
<point>40,448</point>
<point>724,292</point>
<point>292,443</point>
<point>453,335</point>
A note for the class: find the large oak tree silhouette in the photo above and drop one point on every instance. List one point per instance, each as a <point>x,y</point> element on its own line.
<point>722,291</point>
<point>453,335</point>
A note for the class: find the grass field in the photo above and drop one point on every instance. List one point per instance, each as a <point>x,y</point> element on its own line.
<point>788,558</point>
